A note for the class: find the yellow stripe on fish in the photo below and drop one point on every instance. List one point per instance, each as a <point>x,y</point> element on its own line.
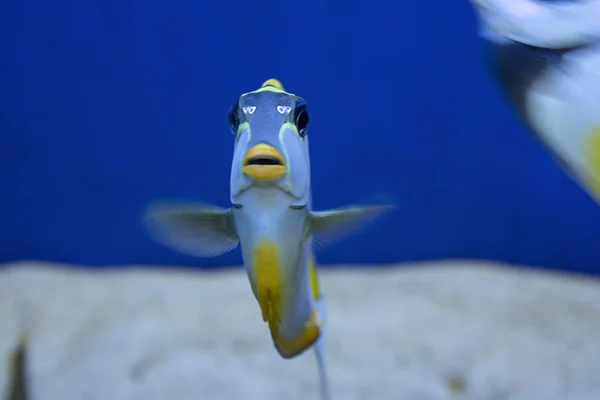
<point>270,293</point>
<point>289,348</point>
<point>269,283</point>
<point>312,330</point>
<point>594,160</point>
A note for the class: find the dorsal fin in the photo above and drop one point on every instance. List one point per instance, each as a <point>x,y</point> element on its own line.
<point>272,82</point>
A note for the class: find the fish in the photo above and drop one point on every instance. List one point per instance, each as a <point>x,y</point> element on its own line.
<point>271,218</point>
<point>545,58</point>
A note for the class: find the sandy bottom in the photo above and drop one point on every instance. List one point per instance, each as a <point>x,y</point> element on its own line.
<point>429,331</point>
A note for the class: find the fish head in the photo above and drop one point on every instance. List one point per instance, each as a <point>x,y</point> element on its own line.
<point>270,127</point>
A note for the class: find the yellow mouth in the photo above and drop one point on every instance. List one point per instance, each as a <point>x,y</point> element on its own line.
<point>263,162</point>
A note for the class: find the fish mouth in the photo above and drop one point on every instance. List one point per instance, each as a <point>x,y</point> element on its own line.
<point>263,162</point>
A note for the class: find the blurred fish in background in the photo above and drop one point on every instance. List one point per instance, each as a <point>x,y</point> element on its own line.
<point>546,57</point>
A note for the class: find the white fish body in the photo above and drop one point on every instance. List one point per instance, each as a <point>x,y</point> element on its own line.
<point>271,218</point>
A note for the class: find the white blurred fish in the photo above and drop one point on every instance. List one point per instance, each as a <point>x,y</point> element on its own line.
<point>546,55</point>
<point>271,218</point>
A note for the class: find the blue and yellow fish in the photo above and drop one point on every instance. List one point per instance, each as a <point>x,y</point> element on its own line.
<point>271,218</point>
<point>546,56</point>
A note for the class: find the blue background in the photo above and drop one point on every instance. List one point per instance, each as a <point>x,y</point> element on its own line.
<point>107,105</point>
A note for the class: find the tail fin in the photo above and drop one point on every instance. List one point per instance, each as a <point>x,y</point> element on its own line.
<point>319,347</point>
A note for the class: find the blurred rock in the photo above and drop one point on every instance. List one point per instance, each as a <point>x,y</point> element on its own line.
<point>443,331</point>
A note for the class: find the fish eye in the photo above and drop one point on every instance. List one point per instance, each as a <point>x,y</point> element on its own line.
<point>233,120</point>
<point>301,119</point>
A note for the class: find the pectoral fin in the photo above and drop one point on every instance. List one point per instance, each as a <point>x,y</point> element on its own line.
<point>330,225</point>
<point>200,230</point>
